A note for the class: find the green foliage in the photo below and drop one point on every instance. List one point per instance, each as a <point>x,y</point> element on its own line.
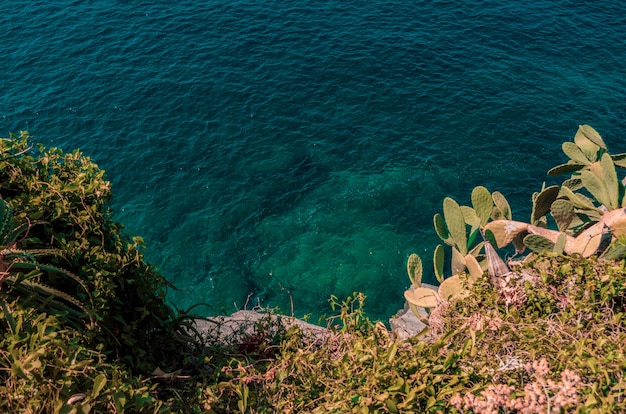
<point>556,342</point>
<point>587,208</point>
<point>69,276</point>
<point>544,336</point>
<point>47,368</point>
<point>459,227</point>
<point>24,273</point>
<point>83,319</point>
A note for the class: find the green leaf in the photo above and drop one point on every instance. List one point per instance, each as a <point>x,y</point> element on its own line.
<point>9,317</point>
<point>18,370</point>
<point>98,384</point>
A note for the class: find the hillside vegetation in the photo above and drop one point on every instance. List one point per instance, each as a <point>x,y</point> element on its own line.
<point>84,325</point>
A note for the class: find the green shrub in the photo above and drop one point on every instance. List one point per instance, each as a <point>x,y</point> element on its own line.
<point>76,293</point>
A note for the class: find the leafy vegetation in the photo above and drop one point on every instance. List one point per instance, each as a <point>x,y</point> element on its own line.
<point>74,292</point>
<point>84,325</point>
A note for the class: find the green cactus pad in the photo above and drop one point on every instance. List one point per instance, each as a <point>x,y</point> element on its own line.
<point>542,203</point>
<point>458,261</point>
<point>482,203</point>
<point>415,270</point>
<point>563,212</point>
<point>502,209</point>
<point>551,235</point>
<point>586,145</point>
<point>452,288</point>
<point>438,258</point>
<point>559,246</point>
<point>422,297</point>
<point>442,229</point>
<point>596,187</point>
<point>470,217</point>
<point>575,153</point>
<point>538,244</point>
<point>564,169</point>
<point>456,224</point>
<point>619,160</point>
<point>578,200</point>
<point>609,177</point>
<point>592,135</point>
<point>474,268</point>
<point>573,183</point>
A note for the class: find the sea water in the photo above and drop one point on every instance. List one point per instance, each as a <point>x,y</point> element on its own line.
<point>274,153</point>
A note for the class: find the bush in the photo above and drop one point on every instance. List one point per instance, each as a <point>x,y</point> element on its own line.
<point>76,292</point>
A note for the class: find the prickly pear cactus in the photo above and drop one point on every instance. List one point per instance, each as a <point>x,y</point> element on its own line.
<point>538,243</point>
<point>415,270</point>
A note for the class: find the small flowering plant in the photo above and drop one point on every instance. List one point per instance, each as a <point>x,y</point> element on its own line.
<point>541,395</point>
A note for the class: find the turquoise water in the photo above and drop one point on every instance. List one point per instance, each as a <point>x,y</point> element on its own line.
<point>281,152</point>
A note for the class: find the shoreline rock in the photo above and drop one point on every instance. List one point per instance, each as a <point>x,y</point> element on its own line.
<point>232,329</point>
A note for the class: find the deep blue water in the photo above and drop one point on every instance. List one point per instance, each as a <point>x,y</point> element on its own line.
<point>298,149</point>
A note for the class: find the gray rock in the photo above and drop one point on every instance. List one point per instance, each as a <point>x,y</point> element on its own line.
<point>228,330</point>
<point>405,324</point>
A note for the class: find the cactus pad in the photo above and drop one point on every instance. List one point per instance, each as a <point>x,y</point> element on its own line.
<point>538,244</point>
<point>591,134</point>
<point>575,153</point>
<point>422,297</point>
<point>474,268</point>
<point>456,223</point>
<point>502,210</point>
<point>619,160</point>
<point>482,203</point>
<point>452,288</point>
<point>570,167</point>
<point>442,229</point>
<point>438,257</point>
<point>563,212</point>
<point>414,269</point>
<point>596,187</point>
<point>542,203</point>
<point>458,261</point>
